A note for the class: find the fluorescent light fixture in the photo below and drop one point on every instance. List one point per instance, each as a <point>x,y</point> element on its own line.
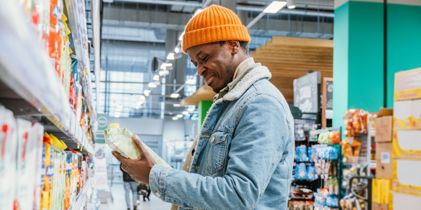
<point>177,105</point>
<point>274,7</point>
<point>170,56</point>
<point>174,118</point>
<point>146,92</point>
<point>163,73</point>
<point>152,85</point>
<point>177,50</point>
<point>191,109</point>
<point>190,82</point>
<point>165,66</point>
<point>181,36</point>
<point>179,115</point>
<point>291,4</point>
<point>185,112</point>
<point>175,95</point>
<point>155,77</point>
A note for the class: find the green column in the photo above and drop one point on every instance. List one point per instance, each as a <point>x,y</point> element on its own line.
<point>403,41</point>
<point>204,106</point>
<point>358,58</point>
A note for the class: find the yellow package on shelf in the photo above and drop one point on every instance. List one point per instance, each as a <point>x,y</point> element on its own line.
<point>381,191</point>
<point>407,144</point>
<point>408,85</point>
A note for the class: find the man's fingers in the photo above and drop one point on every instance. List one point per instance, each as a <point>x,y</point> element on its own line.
<point>118,156</point>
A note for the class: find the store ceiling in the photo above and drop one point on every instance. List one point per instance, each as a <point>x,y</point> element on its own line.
<point>135,32</point>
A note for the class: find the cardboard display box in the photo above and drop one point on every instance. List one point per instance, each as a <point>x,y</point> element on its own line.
<point>403,201</point>
<point>407,114</point>
<point>407,144</point>
<point>408,173</point>
<point>408,85</point>
<point>384,125</point>
<point>379,206</point>
<point>384,160</point>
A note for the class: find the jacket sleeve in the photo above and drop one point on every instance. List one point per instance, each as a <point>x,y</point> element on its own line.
<point>256,149</point>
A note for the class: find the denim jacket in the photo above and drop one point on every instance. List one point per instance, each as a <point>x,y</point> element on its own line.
<point>244,156</point>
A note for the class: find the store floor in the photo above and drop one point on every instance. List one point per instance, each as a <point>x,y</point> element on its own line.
<point>120,203</point>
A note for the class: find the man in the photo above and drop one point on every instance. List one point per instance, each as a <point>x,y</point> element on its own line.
<point>243,159</point>
<point>130,190</point>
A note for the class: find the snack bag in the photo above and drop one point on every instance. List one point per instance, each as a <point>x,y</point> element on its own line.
<point>120,140</point>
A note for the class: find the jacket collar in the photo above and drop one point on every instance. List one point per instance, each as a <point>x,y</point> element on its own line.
<point>246,74</point>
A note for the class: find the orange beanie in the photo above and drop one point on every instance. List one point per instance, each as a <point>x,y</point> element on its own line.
<point>213,24</point>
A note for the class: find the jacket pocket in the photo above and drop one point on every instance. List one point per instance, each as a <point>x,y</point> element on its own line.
<point>217,156</point>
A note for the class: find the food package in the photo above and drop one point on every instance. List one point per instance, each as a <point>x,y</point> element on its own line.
<point>120,140</point>
<point>8,149</point>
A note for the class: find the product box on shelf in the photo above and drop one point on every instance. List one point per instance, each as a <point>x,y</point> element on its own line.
<point>407,144</point>
<point>408,85</point>
<point>8,149</point>
<point>407,114</point>
<point>384,125</point>
<point>29,139</point>
<point>384,160</point>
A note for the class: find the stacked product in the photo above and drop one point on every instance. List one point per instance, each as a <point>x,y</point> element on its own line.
<point>50,21</point>
<point>406,156</point>
<point>62,178</point>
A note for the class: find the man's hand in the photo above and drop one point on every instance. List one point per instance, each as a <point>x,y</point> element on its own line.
<point>137,169</point>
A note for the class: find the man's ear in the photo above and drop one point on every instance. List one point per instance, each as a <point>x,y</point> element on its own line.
<point>234,46</point>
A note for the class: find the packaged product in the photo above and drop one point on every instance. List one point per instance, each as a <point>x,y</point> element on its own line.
<point>120,140</point>
<point>8,149</point>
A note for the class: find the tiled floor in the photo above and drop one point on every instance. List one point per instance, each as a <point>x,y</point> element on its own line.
<point>120,203</point>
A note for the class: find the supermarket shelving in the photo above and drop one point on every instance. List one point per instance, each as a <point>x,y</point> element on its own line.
<point>28,81</point>
<point>83,197</point>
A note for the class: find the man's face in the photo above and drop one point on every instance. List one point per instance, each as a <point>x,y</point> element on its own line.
<point>215,63</point>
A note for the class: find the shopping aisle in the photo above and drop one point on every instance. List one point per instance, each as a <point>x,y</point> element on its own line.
<point>120,204</point>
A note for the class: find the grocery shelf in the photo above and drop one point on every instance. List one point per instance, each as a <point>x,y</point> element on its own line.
<point>27,75</point>
<point>83,196</point>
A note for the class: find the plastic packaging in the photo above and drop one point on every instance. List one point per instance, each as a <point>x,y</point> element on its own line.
<point>120,140</point>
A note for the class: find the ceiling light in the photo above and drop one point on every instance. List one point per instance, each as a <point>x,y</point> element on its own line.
<point>274,7</point>
<point>175,118</point>
<point>177,105</point>
<point>191,109</point>
<point>191,82</point>
<point>147,92</point>
<point>165,66</point>
<point>163,73</point>
<point>185,112</point>
<point>177,50</point>
<point>179,115</point>
<point>155,77</point>
<point>152,85</point>
<point>175,95</point>
<point>291,4</point>
<point>170,56</point>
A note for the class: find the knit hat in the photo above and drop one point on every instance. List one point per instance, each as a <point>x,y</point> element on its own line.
<point>213,24</point>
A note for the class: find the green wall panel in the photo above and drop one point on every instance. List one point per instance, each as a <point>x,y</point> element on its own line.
<point>404,42</point>
<point>203,110</point>
<point>340,64</point>
<point>365,76</point>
